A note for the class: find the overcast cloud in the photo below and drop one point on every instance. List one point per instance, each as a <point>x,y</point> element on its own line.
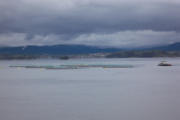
<point>114,23</point>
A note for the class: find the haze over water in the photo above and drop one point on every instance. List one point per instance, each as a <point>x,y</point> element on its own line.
<point>145,92</point>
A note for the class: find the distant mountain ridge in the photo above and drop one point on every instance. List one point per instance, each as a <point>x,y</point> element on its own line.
<point>75,49</point>
<point>171,47</point>
<point>56,49</point>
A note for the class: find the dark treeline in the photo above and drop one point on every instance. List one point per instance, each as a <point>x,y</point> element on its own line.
<point>28,57</point>
<point>147,53</point>
<point>121,54</point>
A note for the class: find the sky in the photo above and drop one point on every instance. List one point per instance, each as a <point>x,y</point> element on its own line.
<point>104,23</point>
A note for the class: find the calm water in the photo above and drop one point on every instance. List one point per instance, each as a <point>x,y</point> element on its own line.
<point>145,92</point>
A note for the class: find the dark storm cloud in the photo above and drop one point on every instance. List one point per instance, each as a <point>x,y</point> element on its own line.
<point>69,20</point>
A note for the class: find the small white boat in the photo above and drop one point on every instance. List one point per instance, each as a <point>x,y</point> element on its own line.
<point>164,63</point>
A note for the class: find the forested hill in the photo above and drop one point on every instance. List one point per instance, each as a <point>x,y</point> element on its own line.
<point>56,50</point>
<point>77,50</point>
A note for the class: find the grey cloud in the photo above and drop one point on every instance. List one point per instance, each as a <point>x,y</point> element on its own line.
<point>123,39</point>
<point>72,19</point>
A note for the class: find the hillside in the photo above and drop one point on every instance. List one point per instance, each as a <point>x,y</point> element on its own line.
<point>82,51</point>
<point>56,50</point>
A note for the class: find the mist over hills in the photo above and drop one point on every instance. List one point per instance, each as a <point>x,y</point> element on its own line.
<point>171,47</point>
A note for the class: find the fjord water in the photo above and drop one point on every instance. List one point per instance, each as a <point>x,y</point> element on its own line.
<point>144,92</point>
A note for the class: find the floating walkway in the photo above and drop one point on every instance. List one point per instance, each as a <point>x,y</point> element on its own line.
<point>78,66</point>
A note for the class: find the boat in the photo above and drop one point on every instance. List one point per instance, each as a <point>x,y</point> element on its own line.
<point>164,63</point>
